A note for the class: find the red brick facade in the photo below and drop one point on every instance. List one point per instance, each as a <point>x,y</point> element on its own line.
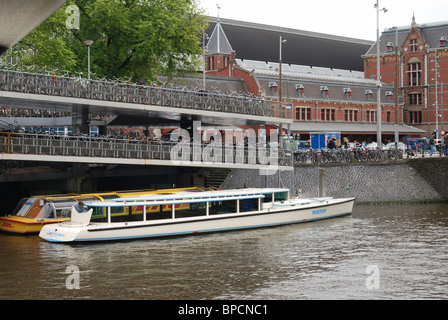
<point>417,67</point>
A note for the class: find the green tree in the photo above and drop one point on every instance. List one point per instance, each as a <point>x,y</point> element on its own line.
<point>140,39</point>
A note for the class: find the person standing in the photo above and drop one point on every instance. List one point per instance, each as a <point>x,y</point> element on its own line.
<point>445,144</point>
<point>80,207</point>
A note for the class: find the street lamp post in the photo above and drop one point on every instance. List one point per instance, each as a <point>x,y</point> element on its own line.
<point>397,134</point>
<point>204,50</point>
<point>378,77</point>
<point>88,43</point>
<point>281,42</point>
<point>437,93</point>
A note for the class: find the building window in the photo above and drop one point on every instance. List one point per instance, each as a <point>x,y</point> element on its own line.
<point>328,114</point>
<point>348,93</point>
<point>390,47</point>
<point>324,90</point>
<point>370,116</point>
<point>415,99</point>
<point>226,61</point>
<point>443,42</point>
<point>414,74</point>
<point>303,114</point>
<point>388,116</point>
<point>389,95</point>
<point>300,90</point>
<point>413,45</point>
<point>369,95</point>
<point>415,117</point>
<point>211,63</point>
<point>350,115</point>
<point>273,86</point>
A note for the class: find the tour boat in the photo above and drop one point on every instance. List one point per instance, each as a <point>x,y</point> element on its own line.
<point>192,212</point>
<point>32,213</point>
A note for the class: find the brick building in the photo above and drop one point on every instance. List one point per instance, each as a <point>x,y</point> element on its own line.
<point>322,81</point>
<point>413,55</point>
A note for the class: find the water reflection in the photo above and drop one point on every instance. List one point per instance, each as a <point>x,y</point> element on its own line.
<point>320,260</point>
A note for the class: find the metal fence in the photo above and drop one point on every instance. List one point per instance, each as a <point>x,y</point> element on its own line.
<point>88,146</point>
<point>52,85</point>
<point>349,155</point>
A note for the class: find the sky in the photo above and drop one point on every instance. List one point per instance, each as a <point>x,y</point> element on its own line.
<point>348,18</point>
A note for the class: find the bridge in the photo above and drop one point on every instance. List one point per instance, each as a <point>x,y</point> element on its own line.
<point>150,105</point>
<point>88,149</point>
<point>21,89</point>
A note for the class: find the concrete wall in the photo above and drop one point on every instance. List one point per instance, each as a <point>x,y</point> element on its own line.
<point>366,182</point>
<point>434,171</point>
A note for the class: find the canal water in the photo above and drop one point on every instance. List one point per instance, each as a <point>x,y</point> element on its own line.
<point>380,252</point>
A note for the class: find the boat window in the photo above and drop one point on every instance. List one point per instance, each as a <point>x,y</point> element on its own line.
<point>46,211</point>
<point>63,213</point>
<point>107,197</point>
<point>278,196</point>
<point>31,208</point>
<point>116,210</point>
<point>119,214</point>
<point>267,197</point>
<point>155,212</point>
<point>98,214</point>
<point>23,206</point>
<point>220,207</point>
<point>185,210</point>
<point>248,205</point>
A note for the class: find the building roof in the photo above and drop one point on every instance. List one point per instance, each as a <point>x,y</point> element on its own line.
<point>431,32</point>
<point>261,43</point>
<point>351,128</point>
<point>342,91</point>
<point>218,42</point>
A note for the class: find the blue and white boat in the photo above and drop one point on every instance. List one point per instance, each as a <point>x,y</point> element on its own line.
<point>192,212</point>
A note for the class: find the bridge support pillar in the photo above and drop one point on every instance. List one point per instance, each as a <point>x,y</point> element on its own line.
<point>80,119</point>
<point>322,182</point>
<point>81,185</point>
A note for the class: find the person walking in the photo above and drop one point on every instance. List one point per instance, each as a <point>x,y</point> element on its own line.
<point>432,144</point>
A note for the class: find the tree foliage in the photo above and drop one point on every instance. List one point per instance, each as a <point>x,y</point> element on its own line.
<point>140,39</point>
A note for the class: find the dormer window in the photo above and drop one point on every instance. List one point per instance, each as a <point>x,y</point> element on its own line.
<point>300,89</point>
<point>273,86</point>
<point>443,42</point>
<point>324,90</point>
<point>389,95</point>
<point>390,46</point>
<point>369,95</point>
<point>348,93</point>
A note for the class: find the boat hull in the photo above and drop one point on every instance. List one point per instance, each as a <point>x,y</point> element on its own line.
<point>66,232</point>
<point>24,225</point>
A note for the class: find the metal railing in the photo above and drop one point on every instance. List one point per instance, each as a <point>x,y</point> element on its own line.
<point>104,147</point>
<point>312,156</point>
<point>76,87</point>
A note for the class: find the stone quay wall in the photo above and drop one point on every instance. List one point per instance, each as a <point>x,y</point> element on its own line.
<point>402,181</point>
